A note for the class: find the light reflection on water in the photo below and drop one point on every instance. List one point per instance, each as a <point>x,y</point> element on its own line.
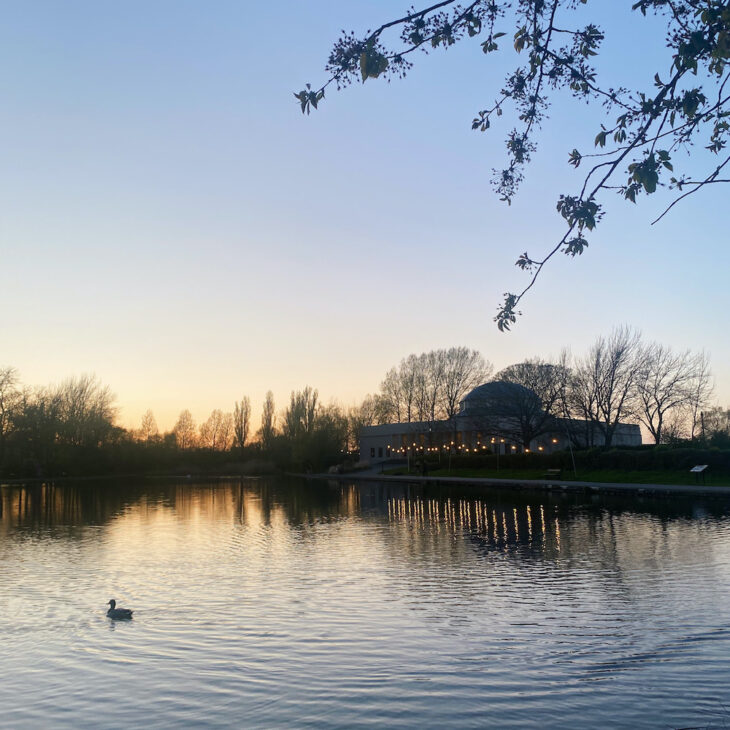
<point>271,603</point>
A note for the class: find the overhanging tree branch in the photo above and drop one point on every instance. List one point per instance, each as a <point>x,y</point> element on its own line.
<point>698,37</point>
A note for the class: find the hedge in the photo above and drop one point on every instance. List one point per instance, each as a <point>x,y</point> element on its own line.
<point>656,458</point>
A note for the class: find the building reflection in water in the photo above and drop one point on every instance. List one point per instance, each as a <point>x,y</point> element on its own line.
<point>506,525</point>
<point>610,531</point>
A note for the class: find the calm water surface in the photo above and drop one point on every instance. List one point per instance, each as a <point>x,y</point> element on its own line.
<point>272,603</point>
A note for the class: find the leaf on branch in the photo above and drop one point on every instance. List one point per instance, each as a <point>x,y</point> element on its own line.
<point>575,158</point>
<point>372,64</point>
<point>308,98</point>
<point>575,246</point>
<point>506,315</point>
<point>583,213</point>
<point>630,192</point>
<point>522,39</point>
<point>524,262</point>
<point>646,172</point>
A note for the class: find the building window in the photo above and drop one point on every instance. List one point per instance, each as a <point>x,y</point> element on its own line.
<point>380,452</point>
<point>387,451</point>
<point>372,452</point>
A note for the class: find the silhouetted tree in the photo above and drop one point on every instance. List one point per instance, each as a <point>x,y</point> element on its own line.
<point>268,421</point>
<point>299,416</point>
<point>430,386</point>
<point>368,413</point>
<point>603,386</point>
<point>717,426</point>
<point>241,422</point>
<point>86,411</point>
<point>184,430</point>
<point>666,384</point>
<point>534,406</point>
<point>327,439</point>
<point>148,430</point>
<point>10,399</point>
<point>463,370</point>
<point>217,432</point>
<point>700,393</point>
<point>391,396</point>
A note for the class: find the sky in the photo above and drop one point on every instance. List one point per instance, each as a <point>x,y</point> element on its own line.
<point>171,222</point>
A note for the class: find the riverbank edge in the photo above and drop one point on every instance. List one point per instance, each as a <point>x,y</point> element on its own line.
<point>40,481</point>
<point>543,484</point>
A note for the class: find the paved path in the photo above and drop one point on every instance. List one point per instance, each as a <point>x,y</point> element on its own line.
<point>550,484</point>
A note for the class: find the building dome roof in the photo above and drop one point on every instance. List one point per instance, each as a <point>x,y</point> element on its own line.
<point>488,394</point>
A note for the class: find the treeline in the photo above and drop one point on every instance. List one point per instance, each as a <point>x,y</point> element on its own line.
<point>71,428</point>
<point>619,379</point>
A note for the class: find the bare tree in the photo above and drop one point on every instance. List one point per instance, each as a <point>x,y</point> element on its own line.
<point>268,421</point>
<point>184,430</point>
<point>10,399</point>
<point>666,384</point>
<point>431,385</point>
<point>716,421</point>
<point>701,392</point>
<point>324,442</point>
<point>409,375</point>
<point>401,388</point>
<point>217,432</point>
<point>391,396</point>
<point>463,370</point>
<point>368,413</point>
<point>603,387</point>
<point>86,411</point>
<point>38,422</point>
<point>299,417</point>
<point>533,406</point>
<point>148,431</point>
<point>241,421</point>
<point>675,427</point>
<point>226,433</point>
<point>207,430</point>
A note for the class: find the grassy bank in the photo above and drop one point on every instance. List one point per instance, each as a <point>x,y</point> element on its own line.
<point>618,476</point>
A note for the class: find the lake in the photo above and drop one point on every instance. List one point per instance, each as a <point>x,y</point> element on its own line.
<point>282,603</point>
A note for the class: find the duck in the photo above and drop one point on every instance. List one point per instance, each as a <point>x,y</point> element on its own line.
<point>115,612</point>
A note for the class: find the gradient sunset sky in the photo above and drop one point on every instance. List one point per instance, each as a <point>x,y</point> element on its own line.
<point>172,223</point>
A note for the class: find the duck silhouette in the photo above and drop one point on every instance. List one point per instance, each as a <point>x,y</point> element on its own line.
<point>115,612</point>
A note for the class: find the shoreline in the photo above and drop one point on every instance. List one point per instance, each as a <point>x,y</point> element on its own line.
<point>549,485</point>
<point>40,481</point>
<point>552,485</point>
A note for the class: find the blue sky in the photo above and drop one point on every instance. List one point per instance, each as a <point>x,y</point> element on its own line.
<point>172,223</point>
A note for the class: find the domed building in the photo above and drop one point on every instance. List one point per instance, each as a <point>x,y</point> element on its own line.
<point>493,396</point>
<point>497,417</point>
